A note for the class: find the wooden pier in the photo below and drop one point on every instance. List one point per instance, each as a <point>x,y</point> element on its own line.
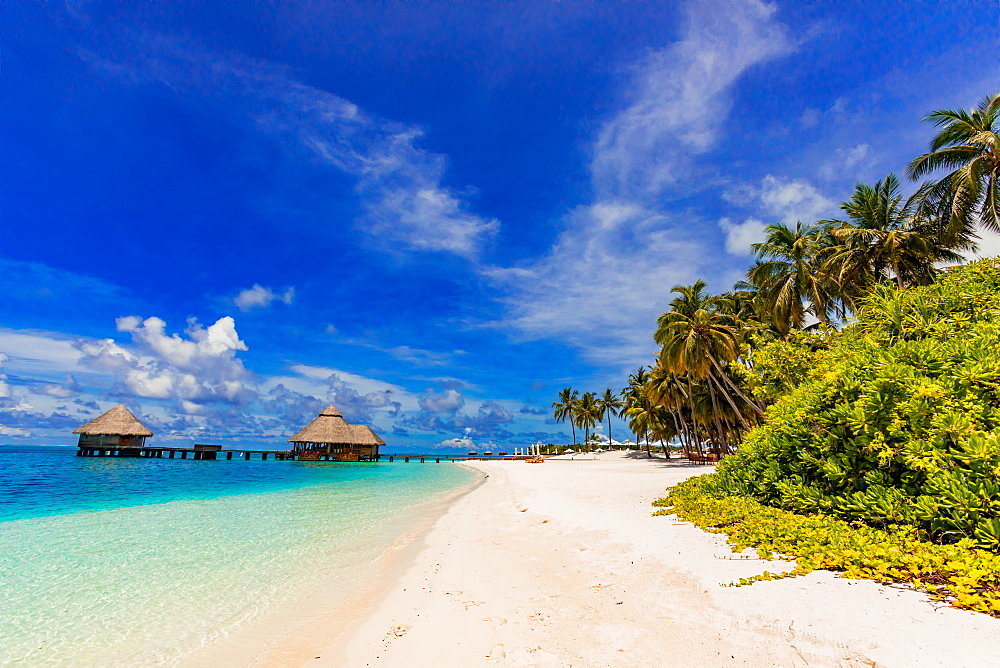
<point>197,452</point>
<point>215,452</point>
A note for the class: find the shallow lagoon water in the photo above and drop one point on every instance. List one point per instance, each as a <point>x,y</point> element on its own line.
<point>144,561</point>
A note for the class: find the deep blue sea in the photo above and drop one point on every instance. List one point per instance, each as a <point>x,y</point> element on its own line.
<point>110,561</point>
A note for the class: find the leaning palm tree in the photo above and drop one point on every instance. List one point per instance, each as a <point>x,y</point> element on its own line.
<point>609,405</point>
<point>565,408</point>
<point>968,144</point>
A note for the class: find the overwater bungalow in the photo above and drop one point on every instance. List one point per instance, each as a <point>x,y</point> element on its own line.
<point>117,429</point>
<point>329,436</point>
<point>366,441</point>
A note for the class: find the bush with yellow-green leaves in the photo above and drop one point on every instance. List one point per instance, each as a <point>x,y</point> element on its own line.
<point>896,424</point>
<point>961,574</point>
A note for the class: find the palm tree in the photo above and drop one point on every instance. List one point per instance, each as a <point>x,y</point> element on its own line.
<point>886,236</point>
<point>698,334</point>
<point>640,418</point>
<point>587,413</point>
<point>565,408</point>
<point>609,406</point>
<point>789,276</point>
<point>634,395</point>
<point>968,144</point>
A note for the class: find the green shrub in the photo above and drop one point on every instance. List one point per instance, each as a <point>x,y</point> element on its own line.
<point>898,423</point>
<point>780,366</point>
<point>963,575</point>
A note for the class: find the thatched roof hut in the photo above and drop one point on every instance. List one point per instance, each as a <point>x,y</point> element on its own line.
<point>330,436</point>
<point>117,428</point>
<point>328,427</point>
<point>363,435</point>
<point>118,421</point>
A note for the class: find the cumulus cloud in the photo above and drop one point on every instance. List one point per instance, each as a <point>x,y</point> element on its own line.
<point>463,443</point>
<point>448,401</point>
<point>488,422</point>
<point>775,200</point>
<point>198,369</point>
<point>258,297</point>
<point>739,236</point>
<point>400,184</point>
<point>65,390</point>
<point>791,200</point>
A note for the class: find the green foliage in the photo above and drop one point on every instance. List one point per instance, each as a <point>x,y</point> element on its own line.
<point>965,576</point>
<point>897,424</point>
<point>780,366</point>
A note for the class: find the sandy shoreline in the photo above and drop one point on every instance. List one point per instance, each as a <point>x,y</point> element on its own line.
<point>562,564</point>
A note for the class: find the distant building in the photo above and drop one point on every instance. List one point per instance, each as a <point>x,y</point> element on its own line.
<point>117,429</point>
<point>329,436</point>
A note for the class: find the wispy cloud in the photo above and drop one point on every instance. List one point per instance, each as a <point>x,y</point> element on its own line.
<point>400,185</point>
<point>681,98</point>
<point>608,275</point>
<point>848,163</point>
<point>259,297</point>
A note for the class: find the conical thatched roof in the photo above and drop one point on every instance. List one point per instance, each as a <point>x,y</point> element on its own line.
<point>118,421</point>
<point>329,427</point>
<point>363,435</point>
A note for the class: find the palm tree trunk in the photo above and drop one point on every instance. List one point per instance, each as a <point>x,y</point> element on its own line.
<point>715,414</point>
<point>680,435</point>
<point>694,420</point>
<point>648,453</point>
<point>729,399</point>
<point>735,389</point>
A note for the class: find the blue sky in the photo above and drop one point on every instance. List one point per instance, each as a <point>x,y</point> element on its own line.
<point>432,215</point>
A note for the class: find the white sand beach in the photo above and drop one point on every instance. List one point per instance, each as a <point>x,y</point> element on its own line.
<point>562,564</point>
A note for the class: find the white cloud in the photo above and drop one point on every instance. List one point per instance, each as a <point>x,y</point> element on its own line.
<point>202,368</point>
<point>791,200</point>
<point>609,274</point>
<point>5,392</point>
<point>42,355</point>
<point>740,236</point>
<point>681,99</point>
<point>847,163</point>
<point>448,401</point>
<point>988,246</point>
<point>258,296</point>
<point>604,282</point>
<point>775,200</point>
<point>463,443</point>
<point>344,388</point>
<point>400,185</point>
<point>809,118</point>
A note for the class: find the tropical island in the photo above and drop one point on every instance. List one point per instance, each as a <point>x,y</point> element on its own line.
<point>500,334</point>
<point>849,391</point>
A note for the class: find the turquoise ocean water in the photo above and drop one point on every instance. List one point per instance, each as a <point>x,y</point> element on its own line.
<point>108,561</point>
